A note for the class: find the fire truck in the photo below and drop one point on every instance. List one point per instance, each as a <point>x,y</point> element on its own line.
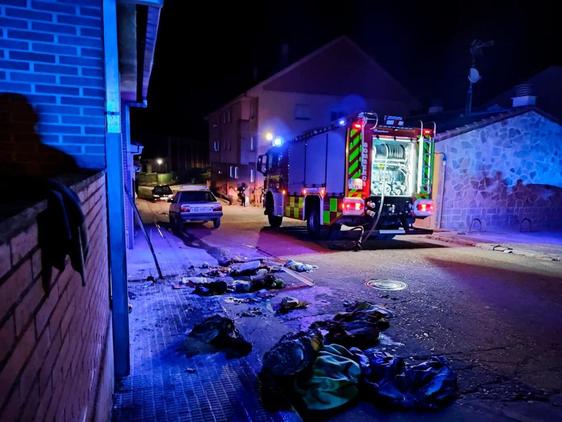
<point>370,174</point>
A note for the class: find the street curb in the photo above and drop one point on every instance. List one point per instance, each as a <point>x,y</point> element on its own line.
<point>453,239</point>
<point>493,247</point>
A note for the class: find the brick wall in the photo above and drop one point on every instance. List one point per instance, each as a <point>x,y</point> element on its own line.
<point>504,175</point>
<point>55,353</point>
<point>51,52</point>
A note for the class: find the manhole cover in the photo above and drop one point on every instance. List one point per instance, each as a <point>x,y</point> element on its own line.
<point>386,284</point>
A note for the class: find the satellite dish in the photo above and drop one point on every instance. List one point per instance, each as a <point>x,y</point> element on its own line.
<point>474,75</point>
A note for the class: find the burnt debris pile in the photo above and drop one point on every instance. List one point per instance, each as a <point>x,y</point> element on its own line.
<point>336,361</point>
<point>240,276</point>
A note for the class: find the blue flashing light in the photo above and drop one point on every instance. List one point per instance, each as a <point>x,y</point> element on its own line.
<point>341,122</point>
<point>278,141</point>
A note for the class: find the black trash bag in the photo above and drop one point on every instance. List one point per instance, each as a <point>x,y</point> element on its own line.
<point>359,326</point>
<point>292,353</point>
<point>211,288</point>
<point>389,380</point>
<point>214,334</point>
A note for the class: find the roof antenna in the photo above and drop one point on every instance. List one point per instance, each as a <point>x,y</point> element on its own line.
<point>476,47</point>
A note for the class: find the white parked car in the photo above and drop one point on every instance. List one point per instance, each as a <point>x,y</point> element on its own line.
<point>195,205</point>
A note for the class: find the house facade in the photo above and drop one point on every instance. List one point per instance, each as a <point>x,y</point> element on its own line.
<point>334,81</point>
<point>69,73</point>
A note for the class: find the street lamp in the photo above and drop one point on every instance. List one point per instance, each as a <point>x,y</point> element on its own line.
<point>159,162</point>
<point>269,136</point>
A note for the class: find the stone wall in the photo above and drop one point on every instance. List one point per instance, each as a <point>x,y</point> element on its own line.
<point>506,175</point>
<point>56,359</point>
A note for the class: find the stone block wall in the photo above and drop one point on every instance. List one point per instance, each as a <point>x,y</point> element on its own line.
<point>504,176</point>
<point>55,349</point>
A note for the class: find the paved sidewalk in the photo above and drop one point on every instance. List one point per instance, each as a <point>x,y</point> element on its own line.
<point>165,384</point>
<point>540,245</point>
<point>175,258</point>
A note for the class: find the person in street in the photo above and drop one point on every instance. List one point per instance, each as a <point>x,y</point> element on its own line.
<point>231,195</point>
<point>242,194</point>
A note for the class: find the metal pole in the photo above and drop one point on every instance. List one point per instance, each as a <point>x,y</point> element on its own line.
<point>468,108</point>
<point>115,192</point>
<point>139,219</point>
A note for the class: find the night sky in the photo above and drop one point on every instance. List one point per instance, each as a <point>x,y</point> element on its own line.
<point>208,54</point>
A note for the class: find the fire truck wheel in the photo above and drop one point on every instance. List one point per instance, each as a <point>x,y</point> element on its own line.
<point>274,220</point>
<point>313,224</point>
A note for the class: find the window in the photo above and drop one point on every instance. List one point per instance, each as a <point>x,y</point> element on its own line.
<point>252,176</point>
<point>253,109</point>
<point>197,196</point>
<point>233,172</point>
<point>236,172</point>
<point>252,143</point>
<point>227,116</point>
<point>302,112</point>
<point>216,146</point>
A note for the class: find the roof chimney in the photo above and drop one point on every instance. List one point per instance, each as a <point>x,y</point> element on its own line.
<point>523,96</point>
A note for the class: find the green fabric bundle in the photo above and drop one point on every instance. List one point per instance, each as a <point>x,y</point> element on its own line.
<point>334,381</point>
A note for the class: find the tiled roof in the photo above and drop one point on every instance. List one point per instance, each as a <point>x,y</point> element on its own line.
<point>449,125</point>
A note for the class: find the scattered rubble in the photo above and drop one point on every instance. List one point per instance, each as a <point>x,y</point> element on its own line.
<point>292,353</point>
<point>359,326</point>
<point>211,288</point>
<point>250,276</point>
<point>300,267</point>
<point>245,268</point>
<point>289,303</point>
<point>214,334</point>
<point>251,312</point>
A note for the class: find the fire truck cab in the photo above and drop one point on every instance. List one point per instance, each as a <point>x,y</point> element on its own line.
<point>358,171</point>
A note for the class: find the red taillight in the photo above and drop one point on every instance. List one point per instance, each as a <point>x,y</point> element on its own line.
<point>424,207</point>
<point>219,208</point>
<point>352,204</point>
<point>184,208</point>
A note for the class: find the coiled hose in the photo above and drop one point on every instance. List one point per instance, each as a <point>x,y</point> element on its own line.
<point>359,244</point>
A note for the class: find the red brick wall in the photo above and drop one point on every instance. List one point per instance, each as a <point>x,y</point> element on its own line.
<point>55,354</point>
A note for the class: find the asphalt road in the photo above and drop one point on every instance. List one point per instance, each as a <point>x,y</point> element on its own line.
<point>497,317</point>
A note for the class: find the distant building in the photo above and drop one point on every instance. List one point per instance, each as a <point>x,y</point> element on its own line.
<point>180,155</point>
<point>333,81</point>
<point>498,171</point>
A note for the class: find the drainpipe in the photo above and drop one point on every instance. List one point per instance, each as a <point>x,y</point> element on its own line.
<point>442,188</point>
<point>115,194</point>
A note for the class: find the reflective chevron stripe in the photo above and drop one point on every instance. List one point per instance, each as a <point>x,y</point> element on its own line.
<point>294,207</point>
